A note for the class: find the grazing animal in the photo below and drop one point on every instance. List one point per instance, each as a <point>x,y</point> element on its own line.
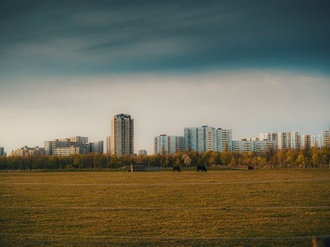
<point>201,168</point>
<point>322,241</point>
<point>176,169</point>
<point>250,167</point>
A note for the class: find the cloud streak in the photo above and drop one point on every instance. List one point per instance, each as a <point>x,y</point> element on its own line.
<point>108,37</point>
<point>253,66</point>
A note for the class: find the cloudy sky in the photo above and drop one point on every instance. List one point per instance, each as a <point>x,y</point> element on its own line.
<point>67,67</point>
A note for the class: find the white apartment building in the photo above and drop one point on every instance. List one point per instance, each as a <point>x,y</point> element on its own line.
<point>28,151</point>
<point>325,138</point>
<point>252,145</point>
<point>224,139</point>
<point>295,140</point>
<point>282,140</point>
<point>61,151</point>
<point>305,141</point>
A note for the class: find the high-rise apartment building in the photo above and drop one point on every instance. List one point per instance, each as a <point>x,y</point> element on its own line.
<point>2,151</point>
<point>294,140</point>
<point>200,139</point>
<point>313,141</point>
<point>48,147</point>
<point>305,141</point>
<point>282,140</point>
<point>164,144</point>
<point>108,144</point>
<point>224,139</point>
<point>122,135</point>
<point>265,136</point>
<point>325,138</point>
<point>205,138</point>
<point>258,145</point>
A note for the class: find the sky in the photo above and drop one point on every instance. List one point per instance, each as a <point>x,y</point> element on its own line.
<point>67,67</point>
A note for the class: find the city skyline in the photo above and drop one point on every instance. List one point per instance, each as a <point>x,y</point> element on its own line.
<point>283,139</point>
<point>66,69</point>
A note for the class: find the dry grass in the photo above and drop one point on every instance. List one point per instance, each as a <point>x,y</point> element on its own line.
<point>232,208</point>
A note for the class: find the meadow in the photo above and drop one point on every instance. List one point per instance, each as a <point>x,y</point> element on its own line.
<point>279,207</point>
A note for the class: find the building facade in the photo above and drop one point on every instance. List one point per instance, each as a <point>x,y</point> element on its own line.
<point>72,145</point>
<point>2,151</point>
<point>66,151</point>
<point>224,139</point>
<point>306,142</point>
<point>108,144</point>
<point>252,145</point>
<point>295,140</point>
<point>164,144</point>
<point>282,140</point>
<point>205,138</point>
<point>142,152</point>
<point>122,135</point>
<point>325,138</point>
<point>96,147</point>
<point>28,151</point>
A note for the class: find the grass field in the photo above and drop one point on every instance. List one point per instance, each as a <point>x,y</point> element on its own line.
<point>217,208</point>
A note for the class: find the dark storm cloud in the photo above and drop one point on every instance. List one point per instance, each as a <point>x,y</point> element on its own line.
<point>124,36</point>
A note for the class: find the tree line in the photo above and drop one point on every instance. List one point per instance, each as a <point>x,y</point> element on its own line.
<point>288,158</point>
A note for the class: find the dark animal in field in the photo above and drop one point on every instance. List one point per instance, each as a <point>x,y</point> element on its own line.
<point>201,168</point>
<point>322,241</point>
<point>176,169</point>
<point>250,167</point>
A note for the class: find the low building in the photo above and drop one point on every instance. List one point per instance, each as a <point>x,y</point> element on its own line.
<point>142,152</point>
<point>252,145</point>
<point>72,145</point>
<point>66,151</point>
<point>28,151</point>
<point>96,147</point>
